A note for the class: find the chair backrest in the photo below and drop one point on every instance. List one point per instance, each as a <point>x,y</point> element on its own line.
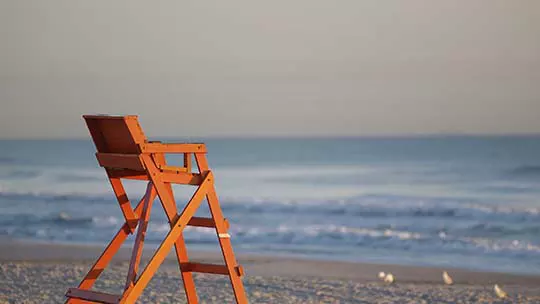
<point>117,139</point>
<point>115,134</point>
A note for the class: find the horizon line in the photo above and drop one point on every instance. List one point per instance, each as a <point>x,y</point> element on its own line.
<point>297,136</point>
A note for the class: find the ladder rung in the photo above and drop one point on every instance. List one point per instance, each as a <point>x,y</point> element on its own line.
<point>210,268</point>
<point>205,222</point>
<point>94,296</point>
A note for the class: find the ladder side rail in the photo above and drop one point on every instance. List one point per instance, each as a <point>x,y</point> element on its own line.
<point>223,236</point>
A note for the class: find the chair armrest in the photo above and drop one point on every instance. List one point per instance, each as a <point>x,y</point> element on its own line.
<point>172,168</point>
<point>157,147</point>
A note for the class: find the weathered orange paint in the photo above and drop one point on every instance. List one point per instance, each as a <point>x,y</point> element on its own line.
<point>125,153</point>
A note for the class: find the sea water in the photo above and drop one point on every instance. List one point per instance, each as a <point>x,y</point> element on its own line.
<point>454,201</point>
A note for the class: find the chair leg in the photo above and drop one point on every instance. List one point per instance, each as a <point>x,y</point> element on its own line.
<point>223,236</point>
<point>226,247</point>
<point>181,252</point>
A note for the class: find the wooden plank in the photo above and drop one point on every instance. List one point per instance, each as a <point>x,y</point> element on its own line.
<point>155,147</point>
<point>117,134</point>
<point>148,198</point>
<point>187,277</point>
<point>205,222</point>
<point>123,200</point>
<point>94,296</point>
<point>128,174</point>
<point>182,178</point>
<point>205,268</point>
<point>187,161</point>
<point>120,161</point>
<point>132,123</point>
<point>94,129</point>
<point>210,268</point>
<point>172,169</point>
<point>111,117</point>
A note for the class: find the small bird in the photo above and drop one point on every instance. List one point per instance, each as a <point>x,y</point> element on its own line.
<point>389,278</point>
<point>382,275</point>
<point>447,278</point>
<point>500,293</point>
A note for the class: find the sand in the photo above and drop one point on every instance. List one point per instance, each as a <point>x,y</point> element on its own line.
<point>41,273</point>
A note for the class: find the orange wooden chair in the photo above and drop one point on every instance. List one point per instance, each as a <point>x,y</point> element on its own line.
<point>124,152</point>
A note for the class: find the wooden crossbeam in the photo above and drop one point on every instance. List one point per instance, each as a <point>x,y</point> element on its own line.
<point>94,296</point>
<point>173,169</point>
<point>210,268</point>
<point>182,178</point>
<point>205,222</point>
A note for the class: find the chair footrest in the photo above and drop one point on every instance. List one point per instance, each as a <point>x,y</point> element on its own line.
<point>94,296</point>
<point>211,268</point>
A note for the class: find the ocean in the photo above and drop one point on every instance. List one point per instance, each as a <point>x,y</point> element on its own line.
<point>450,201</point>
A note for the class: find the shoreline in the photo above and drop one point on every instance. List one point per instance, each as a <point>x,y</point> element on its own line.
<point>265,265</point>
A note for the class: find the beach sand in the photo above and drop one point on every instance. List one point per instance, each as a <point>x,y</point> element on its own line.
<point>41,273</point>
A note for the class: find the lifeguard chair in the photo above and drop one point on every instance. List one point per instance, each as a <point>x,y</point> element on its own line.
<point>125,153</point>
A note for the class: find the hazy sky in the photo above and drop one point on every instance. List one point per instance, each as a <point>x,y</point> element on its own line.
<point>285,67</point>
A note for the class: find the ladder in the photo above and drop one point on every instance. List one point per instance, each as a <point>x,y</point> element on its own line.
<point>125,153</point>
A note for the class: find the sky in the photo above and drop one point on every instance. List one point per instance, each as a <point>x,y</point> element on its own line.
<point>271,68</point>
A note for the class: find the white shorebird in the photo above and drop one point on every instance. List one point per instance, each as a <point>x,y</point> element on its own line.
<point>382,275</point>
<point>389,278</point>
<point>500,293</point>
<point>447,278</point>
